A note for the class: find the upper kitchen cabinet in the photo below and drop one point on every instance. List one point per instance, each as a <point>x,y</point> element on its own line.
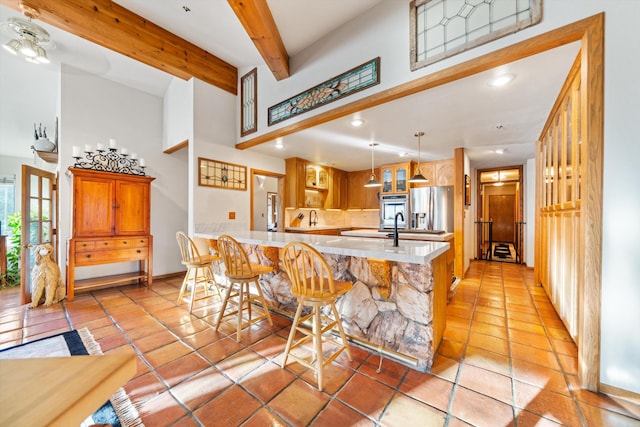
<point>316,177</point>
<point>395,178</point>
<point>359,196</point>
<point>314,186</point>
<point>337,194</point>
<point>438,172</point>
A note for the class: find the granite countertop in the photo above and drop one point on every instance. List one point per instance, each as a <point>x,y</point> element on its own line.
<point>416,252</point>
<point>367,232</point>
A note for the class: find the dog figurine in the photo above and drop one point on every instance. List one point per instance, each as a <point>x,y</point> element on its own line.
<point>46,280</point>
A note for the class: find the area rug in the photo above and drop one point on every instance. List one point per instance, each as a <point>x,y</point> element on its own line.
<point>118,410</point>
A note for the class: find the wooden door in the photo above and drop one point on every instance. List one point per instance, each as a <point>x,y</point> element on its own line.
<point>39,220</point>
<point>502,212</point>
<point>131,208</point>
<point>93,206</point>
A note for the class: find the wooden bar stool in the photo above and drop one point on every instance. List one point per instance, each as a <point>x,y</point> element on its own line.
<point>313,285</point>
<point>240,272</point>
<point>199,271</point>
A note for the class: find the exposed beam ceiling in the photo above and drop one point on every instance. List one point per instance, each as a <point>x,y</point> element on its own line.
<point>258,22</point>
<point>106,23</point>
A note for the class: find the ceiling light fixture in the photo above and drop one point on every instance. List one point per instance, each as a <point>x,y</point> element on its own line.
<point>373,182</point>
<point>26,37</point>
<point>356,123</point>
<point>279,145</point>
<point>418,177</point>
<point>499,151</point>
<point>501,80</point>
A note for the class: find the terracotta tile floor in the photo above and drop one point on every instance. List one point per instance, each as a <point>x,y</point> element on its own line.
<point>506,359</point>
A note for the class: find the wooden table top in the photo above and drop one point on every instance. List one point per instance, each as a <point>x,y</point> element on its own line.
<point>59,391</point>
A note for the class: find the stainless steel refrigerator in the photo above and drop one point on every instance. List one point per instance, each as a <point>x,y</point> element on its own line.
<point>432,208</point>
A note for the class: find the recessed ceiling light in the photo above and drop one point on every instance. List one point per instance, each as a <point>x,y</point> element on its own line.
<point>279,145</point>
<point>499,151</point>
<point>501,80</point>
<point>357,122</point>
<point>403,154</point>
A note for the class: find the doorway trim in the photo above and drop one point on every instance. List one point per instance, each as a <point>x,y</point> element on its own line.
<point>520,200</point>
<point>252,180</point>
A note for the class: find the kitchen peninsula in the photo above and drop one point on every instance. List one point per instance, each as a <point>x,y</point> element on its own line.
<point>398,301</point>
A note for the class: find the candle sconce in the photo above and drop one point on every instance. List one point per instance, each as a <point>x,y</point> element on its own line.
<point>109,160</point>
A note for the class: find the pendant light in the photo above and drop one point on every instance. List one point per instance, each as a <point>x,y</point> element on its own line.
<point>373,182</point>
<point>418,177</point>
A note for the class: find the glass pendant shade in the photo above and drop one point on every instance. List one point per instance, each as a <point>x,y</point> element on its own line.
<point>28,48</point>
<point>12,46</point>
<point>41,55</point>
<point>373,182</point>
<point>418,177</point>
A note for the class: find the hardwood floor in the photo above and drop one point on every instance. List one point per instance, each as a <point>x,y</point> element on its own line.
<point>506,359</point>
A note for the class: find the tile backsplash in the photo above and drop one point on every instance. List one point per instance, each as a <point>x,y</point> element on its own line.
<point>352,218</point>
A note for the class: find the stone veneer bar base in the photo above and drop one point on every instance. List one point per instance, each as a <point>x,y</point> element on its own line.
<point>395,308</point>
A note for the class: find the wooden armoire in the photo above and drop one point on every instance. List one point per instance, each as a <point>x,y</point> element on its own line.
<point>111,224</point>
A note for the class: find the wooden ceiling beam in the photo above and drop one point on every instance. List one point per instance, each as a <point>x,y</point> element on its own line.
<point>257,20</point>
<point>112,26</point>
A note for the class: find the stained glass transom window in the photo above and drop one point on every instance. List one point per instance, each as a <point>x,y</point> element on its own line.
<point>213,173</point>
<point>443,28</point>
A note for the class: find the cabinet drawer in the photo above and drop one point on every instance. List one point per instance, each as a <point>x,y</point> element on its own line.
<point>133,242</point>
<point>109,256</point>
<point>85,246</point>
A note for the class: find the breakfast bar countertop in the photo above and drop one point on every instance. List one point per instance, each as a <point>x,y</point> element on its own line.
<point>417,252</point>
<point>369,232</point>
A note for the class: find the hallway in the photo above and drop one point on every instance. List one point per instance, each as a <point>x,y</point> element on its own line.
<point>506,359</point>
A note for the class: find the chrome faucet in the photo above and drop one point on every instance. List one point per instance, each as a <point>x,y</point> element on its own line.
<point>313,218</point>
<point>395,228</point>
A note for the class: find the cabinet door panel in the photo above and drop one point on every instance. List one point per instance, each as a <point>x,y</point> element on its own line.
<point>94,210</point>
<point>132,203</point>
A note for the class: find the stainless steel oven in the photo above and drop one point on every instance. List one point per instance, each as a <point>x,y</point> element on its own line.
<point>390,205</point>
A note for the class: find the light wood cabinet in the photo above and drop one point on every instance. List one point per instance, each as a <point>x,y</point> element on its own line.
<point>314,186</point>
<point>337,194</point>
<point>438,172</point>
<point>111,223</point>
<point>359,196</point>
<point>395,178</point>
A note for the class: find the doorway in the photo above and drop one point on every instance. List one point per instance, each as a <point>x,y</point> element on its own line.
<point>499,224</point>
<point>39,220</point>
<point>267,211</point>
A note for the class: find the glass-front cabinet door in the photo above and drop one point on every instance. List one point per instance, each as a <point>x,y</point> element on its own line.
<point>387,180</point>
<point>401,179</point>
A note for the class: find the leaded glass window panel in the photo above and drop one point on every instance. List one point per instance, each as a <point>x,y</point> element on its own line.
<point>443,28</point>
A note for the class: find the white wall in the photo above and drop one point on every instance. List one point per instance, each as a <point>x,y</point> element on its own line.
<point>215,125</point>
<point>28,95</point>
<point>178,113</point>
<point>383,32</point>
<point>92,111</point>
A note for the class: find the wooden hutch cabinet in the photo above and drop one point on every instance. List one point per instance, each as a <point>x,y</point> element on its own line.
<point>111,223</point>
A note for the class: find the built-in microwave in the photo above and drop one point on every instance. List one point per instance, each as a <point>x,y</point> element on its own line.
<point>390,205</point>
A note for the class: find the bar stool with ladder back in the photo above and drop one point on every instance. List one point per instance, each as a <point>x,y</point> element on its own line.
<point>313,285</point>
<point>239,271</point>
<point>199,273</point>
